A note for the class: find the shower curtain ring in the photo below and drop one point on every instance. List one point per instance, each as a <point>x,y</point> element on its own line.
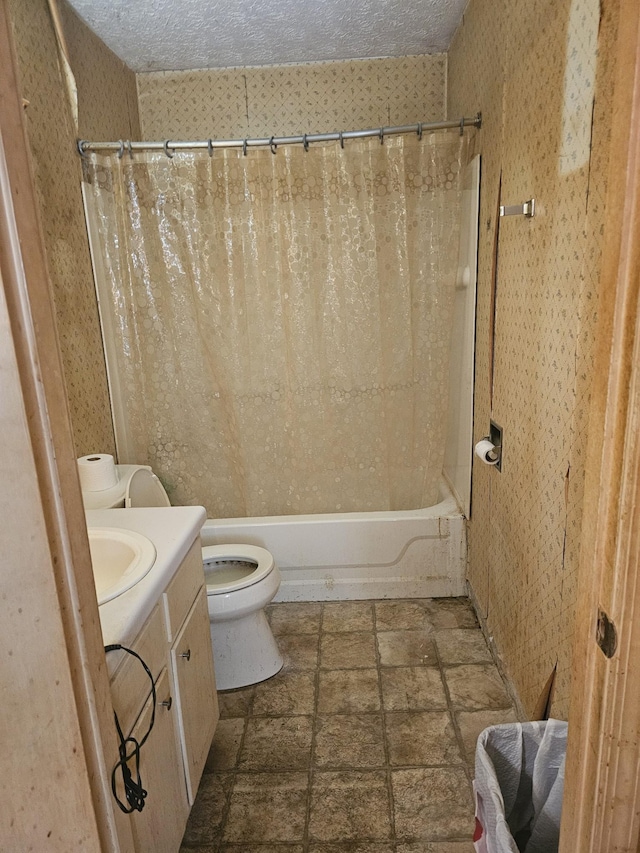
<point>81,151</point>
<point>305,142</point>
<point>129,149</point>
<point>120,149</point>
<point>210,147</point>
<point>341,139</point>
<point>381,135</point>
<point>273,146</point>
<point>244,148</point>
<point>419,131</point>
<point>166,150</point>
<point>462,126</point>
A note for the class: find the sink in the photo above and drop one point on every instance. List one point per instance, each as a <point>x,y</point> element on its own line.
<point>120,559</point>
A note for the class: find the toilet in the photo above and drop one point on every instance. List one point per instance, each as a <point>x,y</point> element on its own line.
<point>241,580</point>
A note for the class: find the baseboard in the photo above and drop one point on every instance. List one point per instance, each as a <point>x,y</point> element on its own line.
<point>500,664</point>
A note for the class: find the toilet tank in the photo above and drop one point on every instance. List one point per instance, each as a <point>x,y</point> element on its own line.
<point>137,486</point>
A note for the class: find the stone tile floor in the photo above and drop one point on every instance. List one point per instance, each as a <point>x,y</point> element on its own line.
<point>364,742</point>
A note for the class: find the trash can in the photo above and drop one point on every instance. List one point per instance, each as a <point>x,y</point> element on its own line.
<point>518,787</point>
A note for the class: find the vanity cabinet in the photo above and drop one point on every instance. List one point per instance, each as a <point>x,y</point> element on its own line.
<point>175,643</point>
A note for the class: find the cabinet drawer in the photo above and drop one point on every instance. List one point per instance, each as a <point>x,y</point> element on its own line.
<point>181,592</point>
<point>130,685</point>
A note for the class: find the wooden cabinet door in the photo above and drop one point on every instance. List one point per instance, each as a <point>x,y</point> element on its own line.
<point>159,827</point>
<point>194,686</point>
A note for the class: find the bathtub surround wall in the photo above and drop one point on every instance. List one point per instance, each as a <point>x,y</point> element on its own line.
<point>535,85</point>
<point>312,97</point>
<point>459,441</point>
<point>107,108</point>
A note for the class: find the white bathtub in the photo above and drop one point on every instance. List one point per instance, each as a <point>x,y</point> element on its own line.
<point>333,557</point>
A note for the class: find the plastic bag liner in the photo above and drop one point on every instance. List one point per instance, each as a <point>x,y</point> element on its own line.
<point>518,787</point>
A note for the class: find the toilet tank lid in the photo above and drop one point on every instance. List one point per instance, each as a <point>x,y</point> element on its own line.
<point>137,486</point>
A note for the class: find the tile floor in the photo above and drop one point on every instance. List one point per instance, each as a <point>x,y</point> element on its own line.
<point>364,741</point>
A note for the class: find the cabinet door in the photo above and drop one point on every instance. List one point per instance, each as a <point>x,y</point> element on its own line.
<point>159,827</point>
<point>195,690</point>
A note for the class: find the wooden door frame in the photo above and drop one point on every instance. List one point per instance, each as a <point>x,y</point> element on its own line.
<point>601,812</point>
<point>31,316</point>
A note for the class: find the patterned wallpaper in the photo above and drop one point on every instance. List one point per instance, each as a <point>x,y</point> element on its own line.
<point>535,87</point>
<point>233,103</point>
<point>107,95</point>
<point>107,104</point>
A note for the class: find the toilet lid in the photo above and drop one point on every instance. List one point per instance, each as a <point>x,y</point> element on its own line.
<point>222,572</point>
<point>145,489</point>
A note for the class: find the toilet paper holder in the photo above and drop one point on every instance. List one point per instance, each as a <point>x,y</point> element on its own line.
<point>489,448</point>
<point>495,437</point>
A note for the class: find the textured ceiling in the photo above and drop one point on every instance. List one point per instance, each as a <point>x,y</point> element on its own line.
<point>172,35</point>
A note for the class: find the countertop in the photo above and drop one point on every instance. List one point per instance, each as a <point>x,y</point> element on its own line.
<point>173,531</point>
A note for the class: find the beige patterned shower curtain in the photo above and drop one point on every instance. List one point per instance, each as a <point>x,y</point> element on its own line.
<point>277,325</point>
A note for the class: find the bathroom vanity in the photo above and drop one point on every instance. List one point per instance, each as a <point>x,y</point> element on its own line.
<point>163,618</point>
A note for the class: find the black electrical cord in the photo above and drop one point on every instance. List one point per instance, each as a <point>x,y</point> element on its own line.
<point>129,749</point>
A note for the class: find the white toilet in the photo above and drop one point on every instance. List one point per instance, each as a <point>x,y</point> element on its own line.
<point>241,580</point>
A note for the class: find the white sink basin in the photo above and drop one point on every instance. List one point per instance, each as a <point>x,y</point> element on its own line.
<point>120,559</point>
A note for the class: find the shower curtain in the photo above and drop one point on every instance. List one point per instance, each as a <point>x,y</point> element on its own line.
<point>277,325</point>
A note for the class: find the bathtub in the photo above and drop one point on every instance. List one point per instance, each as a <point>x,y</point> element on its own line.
<point>340,556</point>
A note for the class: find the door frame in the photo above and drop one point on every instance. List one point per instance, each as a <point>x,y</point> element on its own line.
<point>30,316</point>
<point>601,811</point>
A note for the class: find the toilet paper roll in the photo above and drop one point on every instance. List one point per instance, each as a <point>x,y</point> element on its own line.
<point>97,472</point>
<point>487,451</point>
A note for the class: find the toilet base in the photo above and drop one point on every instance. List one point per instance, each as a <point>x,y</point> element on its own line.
<point>244,651</point>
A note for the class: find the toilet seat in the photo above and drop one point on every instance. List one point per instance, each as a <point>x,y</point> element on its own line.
<point>213,555</point>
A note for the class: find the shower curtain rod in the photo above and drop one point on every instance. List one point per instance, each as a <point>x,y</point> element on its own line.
<point>171,146</point>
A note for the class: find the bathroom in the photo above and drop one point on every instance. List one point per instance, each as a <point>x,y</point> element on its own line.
<point>531,70</point>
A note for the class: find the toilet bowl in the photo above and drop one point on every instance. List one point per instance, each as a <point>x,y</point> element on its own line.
<point>241,580</point>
